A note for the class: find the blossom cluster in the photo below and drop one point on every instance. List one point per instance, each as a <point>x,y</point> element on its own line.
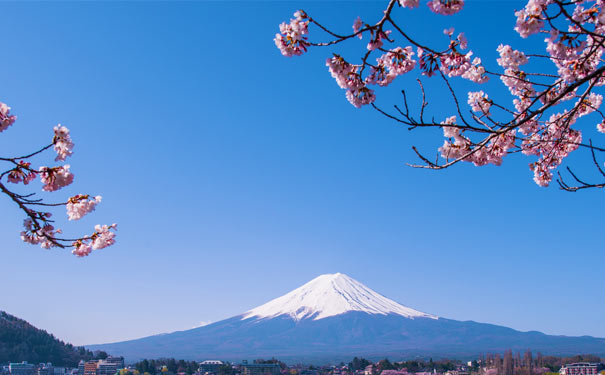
<point>529,19</point>
<point>6,119</point>
<point>446,7</point>
<point>22,173</point>
<point>103,237</point>
<point>479,102</point>
<point>409,3</point>
<point>79,205</point>
<point>395,62</point>
<point>377,42</point>
<point>348,78</point>
<point>292,40</point>
<point>460,147</point>
<point>43,236</point>
<point>63,144</point>
<point>55,178</point>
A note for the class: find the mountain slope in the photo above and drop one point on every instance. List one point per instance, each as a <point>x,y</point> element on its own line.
<point>20,341</point>
<point>330,295</point>
<point>334,318</point>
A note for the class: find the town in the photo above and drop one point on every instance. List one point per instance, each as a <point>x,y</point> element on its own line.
<point>491,364</point>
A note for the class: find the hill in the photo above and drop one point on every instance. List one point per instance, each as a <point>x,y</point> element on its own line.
<point>20,341</point>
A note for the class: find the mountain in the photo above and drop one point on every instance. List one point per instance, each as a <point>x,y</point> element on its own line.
<point>20,341</point>
<point>334,317</point>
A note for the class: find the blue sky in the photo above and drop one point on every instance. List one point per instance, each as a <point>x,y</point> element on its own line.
<point>236,175</point>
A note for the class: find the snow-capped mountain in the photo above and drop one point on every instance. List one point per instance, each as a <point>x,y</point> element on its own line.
<point>330,295</point>
<point>333,318</point>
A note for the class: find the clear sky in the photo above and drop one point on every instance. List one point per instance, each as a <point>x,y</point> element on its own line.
<point>236,175</point>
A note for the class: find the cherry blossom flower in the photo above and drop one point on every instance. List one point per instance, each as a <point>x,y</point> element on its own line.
<point>542,175</point>
<point>55,178</point>
<point>510,58</point>
<point>377,42</point>
<point>62,142</point>
<point>103,236</point>
<point>589,104</point>
<point>39,236</point>
<point>455,64</point>
<point>345,74</point>
<point>462,41</point>
<point>479,102</point>
<point>21,173</point>
<point>357,25</point>
<point>476,72</point>
<point>292,40</point>
<point>446,7</point>
<point>360,96</point>
<point>396,62</point>
<point>80,205</point>
<point>409,3</point>
<point>529,20</point>
<point>81,248</point>
<point>6,119</point>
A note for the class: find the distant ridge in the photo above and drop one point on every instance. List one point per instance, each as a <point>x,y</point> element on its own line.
<point>20,341</point>
<point>334,317</point>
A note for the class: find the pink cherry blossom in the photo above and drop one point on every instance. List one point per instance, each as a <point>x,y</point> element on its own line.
<point>345,74</point>
<point>103,236</point>
<point>376,43</point>
<point>476,72</point>
<point>292,40</point>
<point>601,126</point>
<point>21,173</point>
<point>6,119</point>
<point>81,248</point>
<point>409,3</point>
<point>462,41</point>
<point>446,7</point>
<point>39,236</point>
<point>455,64</point>
<point>479,102</point>
<point>529,19</point>
<point>510,58</point>
<point>62,142</point>
<point>396,62</point>
<point>80,205</point>
<point>357,25</point>
<point>55,178</point>
<point>360,96</point>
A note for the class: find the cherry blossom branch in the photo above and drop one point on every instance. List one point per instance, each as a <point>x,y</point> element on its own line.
<point>531,126</point>
<point>39,228</point>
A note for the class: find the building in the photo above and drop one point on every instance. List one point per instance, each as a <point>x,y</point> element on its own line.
<point>22,368</point>
<point>106,368</point>
<point>260,368</point>
<point>210,366</point>
<point>90,368</point>
<point>46,369</point>
<point>118,361</point>
<point>581,368</point>
<point>81,367</point>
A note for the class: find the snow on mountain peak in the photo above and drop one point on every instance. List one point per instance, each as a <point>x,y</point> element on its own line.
<point>329,295</point>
